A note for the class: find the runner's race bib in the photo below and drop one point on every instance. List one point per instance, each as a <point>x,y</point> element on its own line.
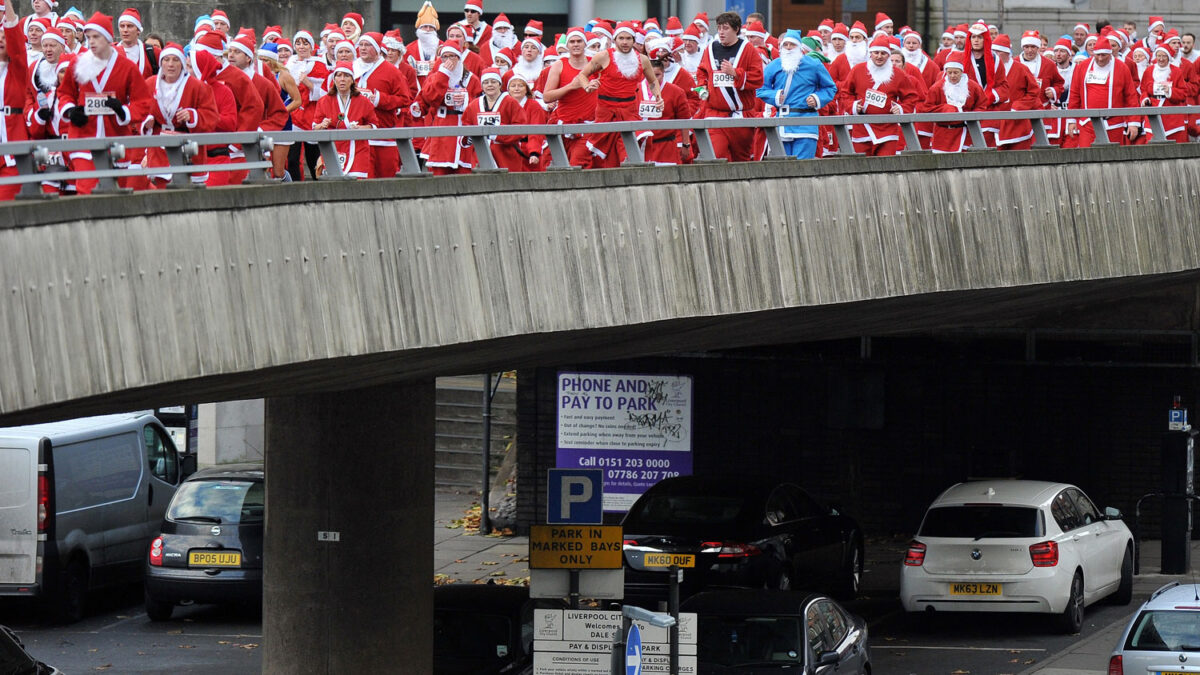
<point>455,98</point>
<point>1162,90</point>
<point>649,110</point>
<point>97,104</point>
<point>342,162</point>
<point>1094,77</point>
<point>875,98</point>
<point>491,119</point>
<point>424,68</point>
<point>720,79</point>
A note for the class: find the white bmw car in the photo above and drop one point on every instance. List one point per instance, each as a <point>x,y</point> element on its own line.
<point>1017,546</point>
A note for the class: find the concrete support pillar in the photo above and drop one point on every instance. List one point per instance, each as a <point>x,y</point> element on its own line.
<point>359,464</point>
<point>580,12</point>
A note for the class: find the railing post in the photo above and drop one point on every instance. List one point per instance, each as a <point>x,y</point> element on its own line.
<point>633,151</point>
<point>1040,138</point>
<point>1101,129</point>
<point>109,156</point>
<point>705,151</point>
<point>26,165</point>
<point>978,142</point>
<point>1157,129</point>
<point>256,151</point>
<point>410,164</point>
<point>845,145</point>
<point>333,163</point>
<point>483,153</point>
<point>912,142</point>
<point>560,161</point>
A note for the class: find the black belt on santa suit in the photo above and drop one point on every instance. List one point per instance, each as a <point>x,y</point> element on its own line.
<point>9,110</point>
<point>615,99</point>
<point>219,152</point>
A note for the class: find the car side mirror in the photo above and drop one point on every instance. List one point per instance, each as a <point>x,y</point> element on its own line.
<point>1112,514</point>
<point>828,658</point>
<point>188,466</point>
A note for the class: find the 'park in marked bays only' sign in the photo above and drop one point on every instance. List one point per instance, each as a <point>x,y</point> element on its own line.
<point>596,547</point>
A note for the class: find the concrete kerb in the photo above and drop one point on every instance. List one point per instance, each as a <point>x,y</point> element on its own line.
<point>33,213</point>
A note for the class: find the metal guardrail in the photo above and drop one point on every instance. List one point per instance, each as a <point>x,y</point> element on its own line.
<point>106,152</point>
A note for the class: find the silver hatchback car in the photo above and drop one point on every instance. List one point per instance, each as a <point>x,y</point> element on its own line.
<point>1164,635</point>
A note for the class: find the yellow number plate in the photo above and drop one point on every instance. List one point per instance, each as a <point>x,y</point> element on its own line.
<point>214,559</point>
<point>1169,672</point>
<point>669,559</point>
<point>974,588</point>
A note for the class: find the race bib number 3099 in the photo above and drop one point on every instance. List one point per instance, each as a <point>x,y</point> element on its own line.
<point>720,79</point>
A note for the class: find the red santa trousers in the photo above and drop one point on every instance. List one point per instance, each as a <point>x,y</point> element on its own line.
<point>218,178</point>
<point>82,161</point>
<point>735,145</point>
<point>385,161</point>
<point>1087,136</point>
<point>447,171</point>
<point>9,192</point>
<point>508,157</point>
<point>884,149</point>
<point>607,149</point>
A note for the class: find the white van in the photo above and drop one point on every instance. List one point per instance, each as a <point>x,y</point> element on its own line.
<point>80,501</point>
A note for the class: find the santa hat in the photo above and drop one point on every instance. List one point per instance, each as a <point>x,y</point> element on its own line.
<point>793,36</point>
<point>354,17</point>
<point>342,67</point>
<point>452,46</point>
<point>65,61</point>
<point>756,29</point>
<point>881,43</point>
<point>393,40</point>
<point>1082,25</point>
<point>701,20</point>
<point>978,28</point>
<point>948,33</point>
<point>577,31</point>
<point>1172,35</point>
<point>247,32</point>
<point>303,35</point>
<point>826,25</point>
<point>507,54</point>
<point>1155,22</point>
<point>960,30</point>
<point>428,16</point>
<point>658,48</point>
<point>244,44</point>
<point>272,33</point>
<point>212,42</point>
<point>1031,38</point>
<point>220,15</point>
<point>692,32</point>
<point>1003,43</point>
<point>840,31</point>
<point>651,25</point>
<point>904,30</point>
<point>859,28</point>
<point>1100,47</point>
<point>55,35</point>
<point>492,73</point>
<point>101,24</point>
<point>625,27</point>
<point>334,30</point>
<point>43,21</point>
<point>533,41</point>
<point>474,5</point>
<point>1124,37</point>
<point>73,11</point>
<point>65,23</point>
<point>534,27</point>
<point>203,22</point>
<point>640,37</point>
<point>1164,47</point>
<point>374,39</point>
<point>344,44</point>
<point>467,29</point>
<point>1114,39</point>
<point>1065,43</point>
<point>269,52</point>
<point>674,26</point>
<point>132,16</point>
<point>882,20</point>
<point>952,63</point>
<point>501,21</point>
<point>284,43</point>
<point>895,44</point>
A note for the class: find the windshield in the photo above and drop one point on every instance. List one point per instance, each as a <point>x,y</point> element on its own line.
<point>982,521</point>
<point>219,501</point>
<point>1166,631</point>
<point>740,640</point>
<point>470,636</point>
<point>667,510</point>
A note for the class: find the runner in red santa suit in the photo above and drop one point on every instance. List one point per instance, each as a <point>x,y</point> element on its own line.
<point>1063,58</point>
<point>915,57</point>
<point>14,81</point>
<point>1164,84</point>
<point>183,104</point>
<point>1103,82</point>
<point>535,113</point>
<point>621,69</point>
<point>444,97</point>
<point>493,108</point>
<point>129,24</point>
<point>385,87</point>
<point>1050,86</point>
<point>979,64</point>
<point>731,72</point>
<point>1023,94</point>
<point>574,103</point>
<point>664,147</point>
<point>310,74</point>
<point>242,55</point>
<point>877,87</point>
<point>954,92</point>
<point>250,104</point>
<point>854,53</point>
<point>530,63</point>
<point>345,108</point>
<point>102,94</point>
<point>502,37</point>
<point>204,66</point>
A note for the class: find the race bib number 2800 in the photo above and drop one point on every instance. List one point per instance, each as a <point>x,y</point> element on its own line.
<point>97,104</point>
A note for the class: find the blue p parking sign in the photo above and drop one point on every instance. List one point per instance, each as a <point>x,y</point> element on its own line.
<point>575,497</point>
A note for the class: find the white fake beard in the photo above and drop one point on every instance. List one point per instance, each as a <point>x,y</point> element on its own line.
<point>528,70</point>
<point>1162,74</point>
<point>46,74</point>
<point>501,41</point>
<point>691,62</point>
<point>88,66</point>
<point>670,71</point>
<point>789,59</point>
<point>428,41</point>
<point>881,75</point>
<point>629,64</point>
<point>590,53</point>
<point>856,52</point>
<point>956,94</point>
<point>915,57</point>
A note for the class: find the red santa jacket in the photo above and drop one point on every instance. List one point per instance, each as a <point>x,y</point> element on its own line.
<point>681,78</point>
<point>358,112</point>
<point>275,114</point>
<point>1023,93</point>
<point>952,136</point>
<point>137,54</point>
<point>996,87</point>
<point>249,102</point>
<point>438,109</point>
<point>13,90</point>
<point>730,96</point>
<point>1045,74</point>
<point>194,97</point>
<point>663,145</point>
<point>424,67</point>
<point>387,89</point>
<point>860,92</point>
<point>1166,89</point>
<point>535,144</point>
<point>1093,88</point>
<point>506,148</point>
<point>90,78</point>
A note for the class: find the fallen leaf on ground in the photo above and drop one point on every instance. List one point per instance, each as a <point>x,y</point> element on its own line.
<point>187,646</point>
<point>103,667</point>
<point>489,562</point>
<point>177,631</point>
<point>499,573</point>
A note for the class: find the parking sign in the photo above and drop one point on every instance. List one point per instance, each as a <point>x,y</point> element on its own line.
<point>575,497</point>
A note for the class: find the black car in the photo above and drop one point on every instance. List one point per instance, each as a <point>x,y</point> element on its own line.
<point>14,660</point>
<point>481,629</point>
<point>210,549</point>
<point>749,631</point>
<point>750,533</point>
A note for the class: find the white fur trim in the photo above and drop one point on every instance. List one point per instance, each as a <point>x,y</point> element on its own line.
<point>99,29</point>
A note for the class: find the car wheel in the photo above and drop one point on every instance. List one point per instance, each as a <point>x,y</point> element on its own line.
<point>72,593</point>
<point>1071,620</point>
<point>852,572</point>
<point>158,610</point>
<point>1124,594</point>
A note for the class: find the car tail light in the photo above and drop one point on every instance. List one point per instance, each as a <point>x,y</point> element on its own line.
<point>916,554</point>
<point>630,542</point>
<point>156,553</point>
<point>730,549</point>
<point>1044,554</point>
<point>1115,665</point>
<point>43,513</point>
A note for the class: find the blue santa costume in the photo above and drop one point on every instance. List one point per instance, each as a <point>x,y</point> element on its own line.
<point>788,81</point>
